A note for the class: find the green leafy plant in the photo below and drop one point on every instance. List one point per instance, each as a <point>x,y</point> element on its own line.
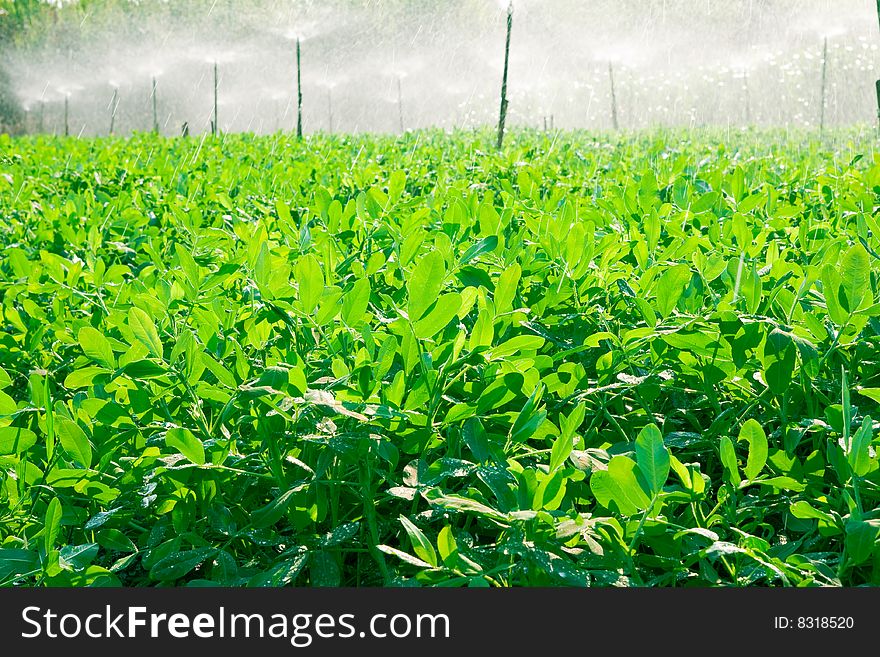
<point>250,362</point>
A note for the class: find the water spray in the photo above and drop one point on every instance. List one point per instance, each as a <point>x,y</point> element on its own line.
<point>299,92</point>
<point>502,119</point>
<point>400,105</point>
<point>329,110</point>
<point>748,96</point>
<point>114,104</point>
<point>41,117</point>
<point>824,84</point>
<point>214,127</point>
<point>614,121</point>
<point>155,109</point>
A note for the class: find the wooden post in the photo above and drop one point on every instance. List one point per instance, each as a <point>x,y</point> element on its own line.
<point>824,83</point>
<point>878,81</point>
<point>400,105</point>
<point>878,102</point>
<point>299,92</point>
<point>614,120</point>
<point>155,109</point>
<point>502,119</point>
<point>215,127</point>
<point>114,103</point>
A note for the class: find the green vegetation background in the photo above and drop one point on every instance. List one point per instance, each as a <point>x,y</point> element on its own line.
<point>587,360</point>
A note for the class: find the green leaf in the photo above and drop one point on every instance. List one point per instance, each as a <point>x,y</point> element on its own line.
<point>96,347</point>
<point>355,302</point>
<point>573,422</point>
<point>145,331</point>
<point>224,376</point>
<point>424,284</point>
<point>782,483</point>
<point>870,393</point>
<point>52,524</point>
<point>619,484</point>
<point>483,246</point>
<point>178,564</point>
<point>670,287</point>
<point>84,376</point>
<point>802,509</point>
<point>482,332</point>
<point>831,284</point>
<point>283,212</point>
<point>476,439</point>
<point>144,369</point>
<point>15,562</point>
<point>186,443</point>
<point>15,440</point>
<point>505,290</point>
<point>403,556</point>
<point>396,185</point>
<point>728,460</point>
<point>420,543</point>
<point>652,457</point>
<point>310,282</point>
<point>189,266</point>
<point>856,276</point>
<point>779,357</point>
<point>447,547</point>
<point>562,448</point>
<point>268,515</point>
<point>529,418</point>
<point>859,456</point>
<point>5,379</point>
<point>282,574</point>
<point>705,202</point>
<point>74,441</point>
<point>861,536</point>
<point>754,435</point>
<point>444,311</point>
<point>113,539</point>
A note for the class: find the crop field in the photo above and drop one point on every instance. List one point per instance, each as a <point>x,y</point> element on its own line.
<point>643,360</point>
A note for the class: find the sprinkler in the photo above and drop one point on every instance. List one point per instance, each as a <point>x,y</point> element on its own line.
<point>400,105</point>
<point>66,115</point>
<point>299,92</point>
<point>155,109</point>
<point>503,115</point>
<point>824,84</point>
<point>41,117</point>
<point>114,104</point>
<point>614,120</point>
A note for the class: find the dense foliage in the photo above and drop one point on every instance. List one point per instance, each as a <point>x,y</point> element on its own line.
<point>365,360</point>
